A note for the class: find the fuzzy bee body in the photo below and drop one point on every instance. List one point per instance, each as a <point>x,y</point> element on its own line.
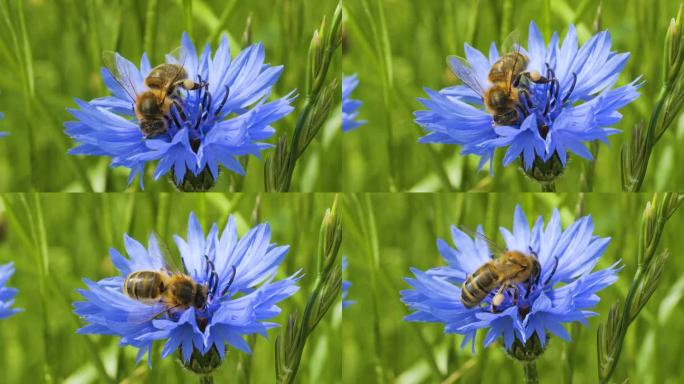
<point>174,291</point>
<point>152,107</point>
<point>478,285</point>
<point>511,268</point>
<point>502,99</point>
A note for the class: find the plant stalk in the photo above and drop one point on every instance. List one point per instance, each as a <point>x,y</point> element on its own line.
<point>531,375</point>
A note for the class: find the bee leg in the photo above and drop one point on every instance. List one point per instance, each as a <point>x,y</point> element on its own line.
<point>498,298</point>
<point>179,109</point>
<point>572,88</point>
<point>172,120</point>
<point>223,102</point>
<point>514,295</point>
<point>532,252</point>
<point>516,80</point>
<point>553,271</point>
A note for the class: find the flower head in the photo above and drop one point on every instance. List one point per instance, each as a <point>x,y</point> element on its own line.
<point>350,106</point>
<point>226,117</point>
<point>242,293</point>
<point>345,286</point>
<point>564,291</point>
<point>573,101</point>
<point>7,294</point>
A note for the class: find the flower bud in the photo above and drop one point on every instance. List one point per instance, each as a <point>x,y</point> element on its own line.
<point>542,171</point>
<point>203,182</point>
<point>528,352</point>
<point>200,364</point>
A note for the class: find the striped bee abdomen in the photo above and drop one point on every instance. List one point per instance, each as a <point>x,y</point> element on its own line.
<point>144,286</point>
<point>478,285</point>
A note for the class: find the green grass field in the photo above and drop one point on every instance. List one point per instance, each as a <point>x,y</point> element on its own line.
<point>398,47</point>
<point>68,237</point>
<point>58,57</point>
<point>396,196</point>
<point>400,231</point>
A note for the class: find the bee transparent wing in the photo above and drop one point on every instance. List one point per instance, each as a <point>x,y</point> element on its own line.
<point>119,70</point>
<point>146,312</point>
<point>159,247</point>
<point>511,43</point>
<point>465,72</point>
<point>494,247</point>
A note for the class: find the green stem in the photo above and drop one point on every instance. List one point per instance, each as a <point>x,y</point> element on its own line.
<point>206,379</point>
<point>548,187</point>
<point>531,375</point>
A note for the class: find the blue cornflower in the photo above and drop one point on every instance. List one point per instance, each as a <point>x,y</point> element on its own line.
<point>213,126</point>
<point>575,104</point>
<point>7,294</point>
<point>350,106</point>
<point>565,290</point>
<point>345,286</point>
<point>238,273</point>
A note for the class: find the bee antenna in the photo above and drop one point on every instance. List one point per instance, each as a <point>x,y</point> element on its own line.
<point>532,252</point>
<point>232,278</point>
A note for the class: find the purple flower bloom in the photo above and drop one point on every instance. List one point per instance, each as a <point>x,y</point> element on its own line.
<point>577,105</point>
<point>215,126</point>
<point>240,277</point>
<point>7,294</point>
<point>564,292</point>
<point>350,107</point>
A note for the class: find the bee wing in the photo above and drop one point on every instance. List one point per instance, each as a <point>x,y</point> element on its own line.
<point>465,72</point>
<point>146,312</point>
<point>120,71</point>
<point>494,247</point>
<point>512,42</point>
<point>159,247</point>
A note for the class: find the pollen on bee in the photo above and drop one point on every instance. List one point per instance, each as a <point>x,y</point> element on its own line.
<point>535,76</point>
<point>497,299</point>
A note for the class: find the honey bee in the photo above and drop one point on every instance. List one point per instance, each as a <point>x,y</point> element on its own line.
<point>171,290</point>
<point>152,106</point>
<point>506,271</point>
<point>503,100</point>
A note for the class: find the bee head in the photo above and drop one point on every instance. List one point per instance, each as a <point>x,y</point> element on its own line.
<point>535,270</point>
<point>201,297</point>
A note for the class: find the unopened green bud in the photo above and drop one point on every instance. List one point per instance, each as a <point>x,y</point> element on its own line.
<point>203,182</point>
<point>544,172</point>
<point>335,37</point>
<point>200,364</point>
<point>529,351</point>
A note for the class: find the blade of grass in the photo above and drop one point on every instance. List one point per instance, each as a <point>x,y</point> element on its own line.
<point>150,37</point>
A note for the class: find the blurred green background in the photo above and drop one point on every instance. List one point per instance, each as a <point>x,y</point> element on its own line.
<point>386,234</point>
<point>398,47</point>
<point>70,235</point>
<point>57,56</point>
